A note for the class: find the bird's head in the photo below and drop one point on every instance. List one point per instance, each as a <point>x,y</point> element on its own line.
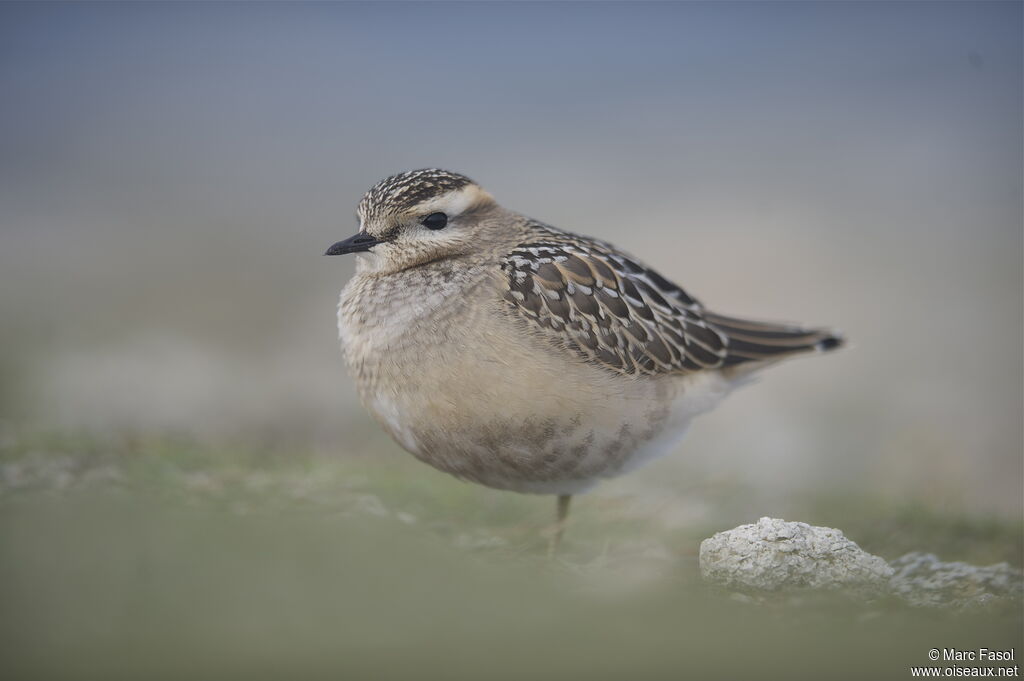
<point>417,217</point>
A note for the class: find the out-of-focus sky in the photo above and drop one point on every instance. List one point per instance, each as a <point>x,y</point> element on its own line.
<point>170,174</point>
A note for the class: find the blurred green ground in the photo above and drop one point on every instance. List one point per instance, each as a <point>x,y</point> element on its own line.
<point>140,557</point>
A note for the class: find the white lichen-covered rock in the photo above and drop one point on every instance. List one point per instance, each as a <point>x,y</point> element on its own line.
<point>776,555</point>
<point>923,580</point>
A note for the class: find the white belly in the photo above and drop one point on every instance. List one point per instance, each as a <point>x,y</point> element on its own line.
<point>516,413</point>
<point>530,444</point>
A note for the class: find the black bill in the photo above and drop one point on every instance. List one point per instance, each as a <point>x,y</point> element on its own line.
<point>354,244</point>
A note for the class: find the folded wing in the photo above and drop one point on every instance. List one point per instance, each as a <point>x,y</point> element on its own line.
<point>609,309</point>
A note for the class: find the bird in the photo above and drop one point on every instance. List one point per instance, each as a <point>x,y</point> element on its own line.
<point>519,356</point>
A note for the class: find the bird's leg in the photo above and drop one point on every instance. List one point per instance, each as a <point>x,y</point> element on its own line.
<point>562,512</point>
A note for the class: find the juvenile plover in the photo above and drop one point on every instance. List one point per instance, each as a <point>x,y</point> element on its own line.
<point>516,355</point>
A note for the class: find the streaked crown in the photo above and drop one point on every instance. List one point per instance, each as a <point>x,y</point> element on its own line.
<point>401,193</point>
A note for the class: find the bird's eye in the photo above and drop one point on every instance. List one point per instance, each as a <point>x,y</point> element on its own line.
<point>435,221</point>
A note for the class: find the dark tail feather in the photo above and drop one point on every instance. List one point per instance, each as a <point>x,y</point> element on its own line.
<point>753,341</point>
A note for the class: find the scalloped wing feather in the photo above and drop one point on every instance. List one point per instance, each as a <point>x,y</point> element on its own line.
<point>606,307</point>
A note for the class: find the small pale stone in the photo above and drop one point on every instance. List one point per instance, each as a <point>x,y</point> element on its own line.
<point>777,555</point>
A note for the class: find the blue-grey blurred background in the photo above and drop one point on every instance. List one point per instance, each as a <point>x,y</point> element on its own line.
<point>171,173</point>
